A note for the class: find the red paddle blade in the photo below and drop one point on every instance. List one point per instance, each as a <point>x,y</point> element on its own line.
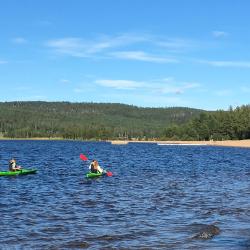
<point>83,157</point>
<point>109,174</point>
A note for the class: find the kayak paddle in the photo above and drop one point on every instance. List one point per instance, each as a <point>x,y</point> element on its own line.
<point>109,173</point>
<point>83,157</point>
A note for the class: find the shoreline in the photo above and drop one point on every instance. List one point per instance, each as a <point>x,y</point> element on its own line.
<point>226,143</point>
<point>33,139</point>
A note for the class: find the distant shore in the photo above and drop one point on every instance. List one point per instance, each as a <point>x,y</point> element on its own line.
<point>32,139</point>
<point>227,143</point>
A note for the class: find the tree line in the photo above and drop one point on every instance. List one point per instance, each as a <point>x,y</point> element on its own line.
<point>219,125</point>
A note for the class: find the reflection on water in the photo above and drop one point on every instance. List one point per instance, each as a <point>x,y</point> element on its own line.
<point>158,198</point>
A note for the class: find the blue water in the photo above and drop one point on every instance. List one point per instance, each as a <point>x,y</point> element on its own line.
<point>156,199</point>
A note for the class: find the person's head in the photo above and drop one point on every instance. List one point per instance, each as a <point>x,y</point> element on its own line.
<point>95,162</point>
<point>12,161</point>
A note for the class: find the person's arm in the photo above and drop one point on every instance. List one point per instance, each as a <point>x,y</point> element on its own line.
<point>100,169</point>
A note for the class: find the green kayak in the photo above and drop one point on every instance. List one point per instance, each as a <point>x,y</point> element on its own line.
<point>18,172</point>
<point>93,175</point>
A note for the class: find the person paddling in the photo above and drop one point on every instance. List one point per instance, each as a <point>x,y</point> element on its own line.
<point>95,167</point>
<point>13,166</point>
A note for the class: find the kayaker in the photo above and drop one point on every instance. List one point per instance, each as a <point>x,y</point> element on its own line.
<point>95,167</point>
<point>13,166</point>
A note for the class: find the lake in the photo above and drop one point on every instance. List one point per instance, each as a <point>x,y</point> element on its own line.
<point>159,197</point>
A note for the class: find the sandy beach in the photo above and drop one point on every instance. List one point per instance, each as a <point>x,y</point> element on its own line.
<point>228,143</point>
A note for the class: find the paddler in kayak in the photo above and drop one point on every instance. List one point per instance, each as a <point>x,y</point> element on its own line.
<point>95,167</point>
<point>13,166</point>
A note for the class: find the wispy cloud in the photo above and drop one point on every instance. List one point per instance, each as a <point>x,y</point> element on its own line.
<point>179,88</point>
<point>245,89</point>
<point>219,34</point>
<point>77,47</point>
<point>176,44</point>
<point>79,90</point>
<point>171,86</point>
<point>235,64</point>
<point>119,84</point>
<point>69,46</point>
<point>224,92</point>
<point>65,81</point>
<point>84,48</point>
<point>19,40</point>
<point>122,46</point>
<point>3,62</point>
<point>158,87</point>
<point>142,56</point>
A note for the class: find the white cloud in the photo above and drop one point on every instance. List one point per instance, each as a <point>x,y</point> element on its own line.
<point>224,92</point>
<point>19,40</point>
<point>119,84</point>
<point>3,62</point>
<point>176,44</point>
<point>245,89</point>
<point>142,56</point>
<point>79,90</point>
<point>79,47</point>
<point>153,92</point>
<point>65,81</point>
<point>174,87</point>
<point>70,46</point>
<point>219,34</point>
<point>122,46</point>
<point>158,87</point>
<point>235,64</point>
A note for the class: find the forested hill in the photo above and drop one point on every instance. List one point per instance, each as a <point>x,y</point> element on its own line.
<point>88,120</point>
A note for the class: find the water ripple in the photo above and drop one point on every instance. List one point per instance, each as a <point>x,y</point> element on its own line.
<point>158,197</point>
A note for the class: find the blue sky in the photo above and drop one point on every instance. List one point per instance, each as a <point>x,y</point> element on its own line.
<point>146,53</point>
